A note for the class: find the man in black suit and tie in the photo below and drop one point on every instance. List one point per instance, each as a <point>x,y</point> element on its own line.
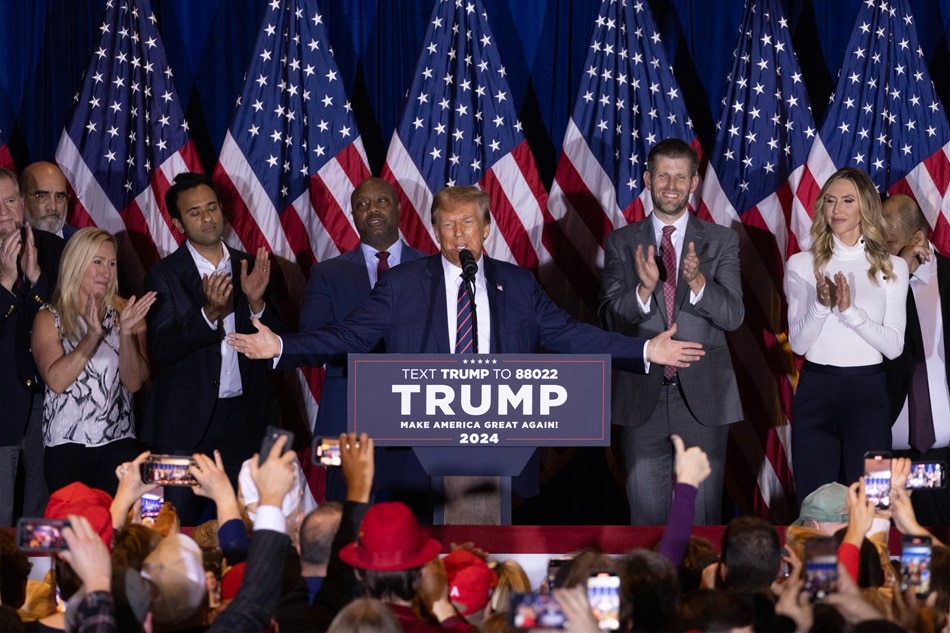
<point>46,194</point>
<point>918,378</point>
<point>337,286</point>
<point>416,308</point>
<point>206,397</point>
<point>29,264</point>
<point>673,268</point>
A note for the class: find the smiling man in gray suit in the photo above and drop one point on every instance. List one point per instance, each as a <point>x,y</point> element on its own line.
<point>670,268</point>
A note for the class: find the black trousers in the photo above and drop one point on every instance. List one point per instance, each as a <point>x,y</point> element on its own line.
<point>92,465</point>
<point>838,414</point>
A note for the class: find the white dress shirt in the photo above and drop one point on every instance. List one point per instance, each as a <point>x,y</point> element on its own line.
<point>372,262</point>
<point>453,279</point>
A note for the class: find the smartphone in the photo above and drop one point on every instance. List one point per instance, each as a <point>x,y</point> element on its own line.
<point>271,433</point>
<point>821,567</point>
<point>784,569</point>
<point>151,503</point>
<point>535,611</point>
<point>915,564</point>
<point>326,452</point>
<point>168,470</point>
<point>926,475</point>
<point>41,535</point>
<point>877,478</point>
<point>603,593</point>
<point>555,563</point>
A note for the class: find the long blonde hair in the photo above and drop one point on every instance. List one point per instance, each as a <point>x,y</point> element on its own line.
<point>872,224</point>
<point>79,252</point>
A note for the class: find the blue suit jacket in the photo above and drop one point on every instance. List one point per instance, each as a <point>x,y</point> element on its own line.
<point>181,402</point>
<point>407,311</point>
<point>335,288</point>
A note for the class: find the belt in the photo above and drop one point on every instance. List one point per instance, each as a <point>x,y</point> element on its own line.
<point>675,380</point>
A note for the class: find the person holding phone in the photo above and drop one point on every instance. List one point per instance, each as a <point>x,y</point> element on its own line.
<point>90,348</point>
<point>846,313</point>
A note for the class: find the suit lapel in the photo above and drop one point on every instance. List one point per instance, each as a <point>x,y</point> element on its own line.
<point>696,235</point>
<point>190,279</point>
<point>497,303</point>
<point>433,292</point>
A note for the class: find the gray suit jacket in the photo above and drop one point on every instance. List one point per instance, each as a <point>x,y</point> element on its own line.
<point>709,386</point>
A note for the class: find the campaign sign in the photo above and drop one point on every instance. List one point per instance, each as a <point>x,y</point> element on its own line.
<point>481,399</point>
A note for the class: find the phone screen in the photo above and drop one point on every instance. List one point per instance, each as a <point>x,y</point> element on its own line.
<point>168,470</point>
<point>603,593</point>
<point>926,475</point>
<point>821,567</point>
<point>326,452</point>
<point>535,611</point>
<point>41,535</point>
<point>915,564</point>
<point>877,478</point>
<point>151,503</point>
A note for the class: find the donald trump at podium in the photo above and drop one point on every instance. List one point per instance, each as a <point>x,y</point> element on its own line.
<point>425,306</point>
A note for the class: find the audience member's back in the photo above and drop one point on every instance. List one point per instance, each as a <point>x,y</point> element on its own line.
<point>649,592</point>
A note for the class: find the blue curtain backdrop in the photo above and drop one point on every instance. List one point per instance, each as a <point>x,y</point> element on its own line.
<point>45,46</point>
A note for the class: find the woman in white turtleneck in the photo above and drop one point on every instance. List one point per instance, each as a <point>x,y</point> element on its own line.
<point>846,312</point>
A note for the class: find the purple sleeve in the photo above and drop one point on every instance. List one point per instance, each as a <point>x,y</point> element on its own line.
<point>97,613</point>
<point>678,524</point>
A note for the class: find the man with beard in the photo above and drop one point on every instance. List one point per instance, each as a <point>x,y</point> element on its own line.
<point>673,268</point>
<point>46,194</point>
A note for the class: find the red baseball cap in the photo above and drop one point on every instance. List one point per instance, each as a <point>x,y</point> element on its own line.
<point>470,580</point>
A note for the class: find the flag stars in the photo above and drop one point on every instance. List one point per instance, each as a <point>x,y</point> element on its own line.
<point>436,153</point>
<point>91,127</point>
<point>109,156</point>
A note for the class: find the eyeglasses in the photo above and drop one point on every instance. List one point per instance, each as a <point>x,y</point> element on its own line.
<point>43,196</point>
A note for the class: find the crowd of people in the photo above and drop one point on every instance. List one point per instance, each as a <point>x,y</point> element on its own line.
<point>864,310</point>
<point>370,567</point>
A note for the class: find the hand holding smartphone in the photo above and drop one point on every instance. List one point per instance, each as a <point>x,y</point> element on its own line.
<point>915,564</point>
<point>927,476</point>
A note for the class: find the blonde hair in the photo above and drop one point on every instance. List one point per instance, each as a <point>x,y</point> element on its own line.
<point>80,250</point>
<point>872,224</point>
<point>511,579</point>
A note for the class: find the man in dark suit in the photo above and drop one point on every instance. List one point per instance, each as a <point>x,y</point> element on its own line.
<point>46,194</point>
<point>206,397</point>
<point>409,307</point>
<point>28,271</point>
<point>921,429</point>
<point>699,275</point>
<point>336,287</point>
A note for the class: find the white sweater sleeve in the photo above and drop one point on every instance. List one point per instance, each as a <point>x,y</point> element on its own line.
<point>805,315</point>
<point>887,336</point>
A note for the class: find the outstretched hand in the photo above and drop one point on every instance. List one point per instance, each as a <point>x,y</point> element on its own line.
<point>663,350</point>
<point>262,344</point>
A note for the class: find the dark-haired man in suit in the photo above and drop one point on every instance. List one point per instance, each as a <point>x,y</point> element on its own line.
<point>673,268</point>
<point>921,429</point>
<point>28,271</point>
<point>206,397</point>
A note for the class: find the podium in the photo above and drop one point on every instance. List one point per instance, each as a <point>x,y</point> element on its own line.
<point>474,421</point>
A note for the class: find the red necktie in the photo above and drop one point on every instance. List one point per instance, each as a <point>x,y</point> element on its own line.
<point>463,329</point>
<point>668,255</point>
<point>383,264</point>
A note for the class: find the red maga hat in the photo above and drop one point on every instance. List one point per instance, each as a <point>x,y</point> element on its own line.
<point>390,539</point>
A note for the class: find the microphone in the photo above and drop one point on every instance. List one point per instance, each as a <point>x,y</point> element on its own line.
<point>469,267</point>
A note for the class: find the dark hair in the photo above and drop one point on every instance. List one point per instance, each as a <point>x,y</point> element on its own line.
<point>15,569</point>
<point>700,553</point>
<point>870,570</point>
<point>384,585</point>
<point>649,592</point>
<point>713,610</point>
<point>317,531</point>
<point>751,553</point>
<point>587,562</point>
<point>673,148</point>
<point>132,543</point>
<point>183,182</point>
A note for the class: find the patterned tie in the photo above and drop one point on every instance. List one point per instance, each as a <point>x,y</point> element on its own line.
<point>668,255</point>
<point>463,329</point>
<point>920,412</point>
<point>383,264</point>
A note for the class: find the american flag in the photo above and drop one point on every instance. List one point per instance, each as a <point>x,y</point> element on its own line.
<point>885,118</point>
<point>627,102</point>
<point>460,127</point>
<point>762,141</point>
<point>6,160</point>
<point>292,154</point>
<point>126,136</point>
